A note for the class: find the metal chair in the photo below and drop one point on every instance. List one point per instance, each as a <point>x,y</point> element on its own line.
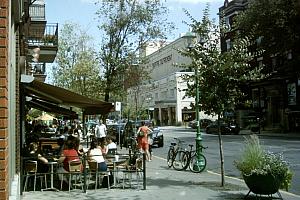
<point>75,168</point>
<point>133,169</point>
<point>99,175</point>
<point>30,168</point>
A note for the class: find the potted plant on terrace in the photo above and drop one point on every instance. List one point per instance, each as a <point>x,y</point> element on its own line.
<point>263,172</point>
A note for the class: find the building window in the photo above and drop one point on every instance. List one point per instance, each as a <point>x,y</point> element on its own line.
<point>291,89</point>
<point>164,95</point>
<point>258,40</point>
<point>274,63</point>
<point>228,44</point>
<point>227,22</point>
<point>260,61</point>
<point>172,93</point>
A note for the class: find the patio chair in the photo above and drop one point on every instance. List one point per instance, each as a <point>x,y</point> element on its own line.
<point>75,169</point>
<point>133,169</point>
<point>30,168</point>
<point>99,175</point>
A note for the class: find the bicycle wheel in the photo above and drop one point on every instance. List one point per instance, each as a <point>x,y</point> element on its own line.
<point>179,157</point>
<point>185,161</point>
<point>197,165</point>
<point>170,157</point>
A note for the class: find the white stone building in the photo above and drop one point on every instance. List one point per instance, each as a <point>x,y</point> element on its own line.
<point>163,95</point>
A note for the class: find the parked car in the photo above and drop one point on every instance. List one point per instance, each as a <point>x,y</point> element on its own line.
<point>226,128</point>
<point>203,123</point>
<point>157,137</point>
<point>130,130</point>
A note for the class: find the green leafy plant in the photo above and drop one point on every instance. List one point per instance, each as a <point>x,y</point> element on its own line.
<point>256,160</point>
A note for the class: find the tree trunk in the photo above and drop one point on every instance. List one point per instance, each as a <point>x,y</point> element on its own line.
<point>221,153</point>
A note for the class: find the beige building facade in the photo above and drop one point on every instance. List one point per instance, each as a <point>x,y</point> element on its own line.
<point>163,96</point>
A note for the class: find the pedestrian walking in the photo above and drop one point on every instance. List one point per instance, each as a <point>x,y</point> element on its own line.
<point>143,144</point>
<point>100,130</point>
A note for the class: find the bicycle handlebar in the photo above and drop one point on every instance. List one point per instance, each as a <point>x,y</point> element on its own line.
<point>179,140</point>
<point>201,146</point>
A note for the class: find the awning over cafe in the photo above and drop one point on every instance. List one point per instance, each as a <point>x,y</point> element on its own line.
<point>52,108</point>
<point>50,97</point>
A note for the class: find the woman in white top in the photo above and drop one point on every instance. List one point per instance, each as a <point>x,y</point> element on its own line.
<point>111,144</point>
<point>95,154</point>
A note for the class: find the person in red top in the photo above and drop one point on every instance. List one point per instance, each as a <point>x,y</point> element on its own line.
<point>69,153</point>
<point>143,139</point>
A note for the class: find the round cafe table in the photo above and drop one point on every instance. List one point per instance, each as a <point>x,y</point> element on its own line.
<point>115,164</point>
<point>52,171</point>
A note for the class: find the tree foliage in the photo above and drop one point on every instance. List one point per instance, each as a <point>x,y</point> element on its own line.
<point>76,67</point>
<point>127,26</point>
<point>276,23</point>
<point>220,75</point>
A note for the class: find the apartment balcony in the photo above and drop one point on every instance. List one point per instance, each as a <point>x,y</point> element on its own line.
<point>37,19</point>
<point>37,70</point>
<point>47,43</point>
<point>40,34</point>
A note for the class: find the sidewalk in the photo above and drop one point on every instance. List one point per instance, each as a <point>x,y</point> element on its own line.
<point>166,184</point>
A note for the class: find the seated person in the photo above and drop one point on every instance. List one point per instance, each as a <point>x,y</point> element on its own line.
<point>68,154</point>
<point>111,146</point>
<point>61,144</point>
<point>34,154</point>
<point>103,146</point>
<point>95,154</point>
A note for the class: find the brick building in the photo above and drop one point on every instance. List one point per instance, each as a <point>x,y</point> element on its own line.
<point>22,29</point>
<point>276,99</point>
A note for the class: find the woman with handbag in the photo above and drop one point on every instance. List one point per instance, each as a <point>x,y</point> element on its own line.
<point>143,139</point>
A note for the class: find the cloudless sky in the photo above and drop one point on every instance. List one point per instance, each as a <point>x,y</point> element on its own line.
<point>82,12</point>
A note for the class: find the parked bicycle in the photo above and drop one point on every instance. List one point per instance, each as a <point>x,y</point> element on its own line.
<point>175,155</point>
<point>195,162</point>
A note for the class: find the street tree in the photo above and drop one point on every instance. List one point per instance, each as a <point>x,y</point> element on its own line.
<point>135,76</point>
<point>220,75</point>
<point>76,67</point>
<point>127,26</point>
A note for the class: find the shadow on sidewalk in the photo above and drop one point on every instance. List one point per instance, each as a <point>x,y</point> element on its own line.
<point>240,196</point>
<point>212,185</point>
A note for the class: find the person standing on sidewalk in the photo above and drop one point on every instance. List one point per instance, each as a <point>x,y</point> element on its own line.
<point>101,130</point>
<point>143,145</point>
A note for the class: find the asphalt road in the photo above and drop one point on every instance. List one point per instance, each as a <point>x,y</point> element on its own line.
<point>232,146</point>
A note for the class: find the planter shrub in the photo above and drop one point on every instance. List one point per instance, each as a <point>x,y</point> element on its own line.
<point>269,168</point>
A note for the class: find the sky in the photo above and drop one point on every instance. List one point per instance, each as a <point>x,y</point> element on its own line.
<point>82,12</point>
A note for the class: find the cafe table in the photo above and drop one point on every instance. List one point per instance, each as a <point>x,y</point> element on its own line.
<point>52,188</point>
<point>117,160</point>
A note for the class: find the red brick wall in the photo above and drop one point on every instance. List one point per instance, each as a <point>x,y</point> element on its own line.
<point>3,99</point>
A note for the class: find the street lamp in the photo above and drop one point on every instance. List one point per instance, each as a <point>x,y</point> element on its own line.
<point>190,41</point>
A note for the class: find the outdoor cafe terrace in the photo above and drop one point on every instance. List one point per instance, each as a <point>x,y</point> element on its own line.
<point>125,169</point>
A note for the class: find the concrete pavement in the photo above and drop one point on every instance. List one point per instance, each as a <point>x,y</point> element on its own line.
<point>164,183</point>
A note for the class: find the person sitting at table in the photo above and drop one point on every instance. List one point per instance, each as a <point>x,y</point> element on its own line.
<point>79,146</point>
<point>69,154</point>
<point>103,146</point>
<point>34,154</point>
<point>110,143</point>
<point>95,154</point>
<point>61,144</point>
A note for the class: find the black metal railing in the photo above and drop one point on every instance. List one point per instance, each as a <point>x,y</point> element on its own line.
<point>49,38</point>
<point>37,12</point>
